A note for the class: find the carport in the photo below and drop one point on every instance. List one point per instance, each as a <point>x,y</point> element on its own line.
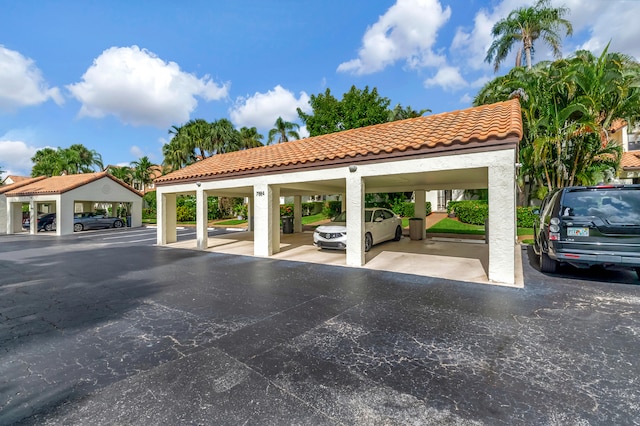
<point>467,149</point>
<point>66,195</point>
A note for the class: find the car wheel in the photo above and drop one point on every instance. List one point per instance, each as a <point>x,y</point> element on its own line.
<point>117,224</point>
<point>546,263</point>
<point>48,227</point>
<point>368,242</point>
<point>398,234</point>
<point>77,227</point>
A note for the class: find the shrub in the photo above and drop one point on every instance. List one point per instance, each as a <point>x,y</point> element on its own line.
<point>185,214</point>
<point>311,208</point>
<point>525,217</point>
<point>332,208</point>
<point>286,210</point>
<point>474,212</point>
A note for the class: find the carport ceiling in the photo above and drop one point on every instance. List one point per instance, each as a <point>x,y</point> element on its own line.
<point>449,179</point>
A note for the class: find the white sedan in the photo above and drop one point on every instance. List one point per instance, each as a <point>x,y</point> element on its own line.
<point>379,225</point>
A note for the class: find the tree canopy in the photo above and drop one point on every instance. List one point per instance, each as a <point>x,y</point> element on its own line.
<point>568,109</point>
<point>75,159</point>
<point>283,130</point>
<point>357,108</point>
<point>524,26</point>
<point>199,139</point>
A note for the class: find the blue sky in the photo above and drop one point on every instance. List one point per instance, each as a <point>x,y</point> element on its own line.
<point>115,76</point>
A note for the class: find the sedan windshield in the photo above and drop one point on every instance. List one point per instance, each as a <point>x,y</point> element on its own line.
<point>342,217</point>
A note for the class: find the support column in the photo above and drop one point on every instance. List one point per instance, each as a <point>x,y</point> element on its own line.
<point>420,210</point>
<point>250,214</point>
<point>166,210</point>
<point>502,219</point>
<point>64,215</point>
<point>297,213</point>
<point>202,220</point>
<point>355,219</point>
<point>263,201</point>
<point>33,217</point>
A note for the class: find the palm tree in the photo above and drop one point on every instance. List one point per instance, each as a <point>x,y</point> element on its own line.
<point>143,172</point>
<point>525,25</point>
<point>123,173</point>
<point>283,130</point>
<point>399,113</point>
<point>250,138</point>
<point>224,137</point>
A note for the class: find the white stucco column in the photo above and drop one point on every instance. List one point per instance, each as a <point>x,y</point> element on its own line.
<point>297,213</point>
<point>202,236</point>
<point>250,214</point>
<point>263,209</point>
<point>420,209</point>
<point>33,216</point>
<point>355,219</point>
<point>166,213</point>
<point>64,215</point>
<point>502,219</point>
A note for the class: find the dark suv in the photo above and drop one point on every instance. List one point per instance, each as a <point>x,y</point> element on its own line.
<point>587,226</point>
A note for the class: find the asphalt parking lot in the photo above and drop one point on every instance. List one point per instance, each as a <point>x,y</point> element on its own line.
<point>105,327</point>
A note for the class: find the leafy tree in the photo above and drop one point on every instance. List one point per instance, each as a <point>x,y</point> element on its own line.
<point>399,113</point>
<point>224,137</point>
<point>143,172</point>
<point>568,107</point>
<point>283,130</point>
<point>357,108</point>
<point>250,138</point>
<point>75,159</point>
<point>123,173</point>
<point>524,26</point>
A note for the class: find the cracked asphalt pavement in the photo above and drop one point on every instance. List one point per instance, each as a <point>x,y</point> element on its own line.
<point>119,331</point>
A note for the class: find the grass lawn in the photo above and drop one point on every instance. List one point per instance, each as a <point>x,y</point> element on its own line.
<point>313,218</point>
<point>232,222</point>
<point>452,226</point>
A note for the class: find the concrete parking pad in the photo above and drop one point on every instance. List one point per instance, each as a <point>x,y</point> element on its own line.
<point>460,258</point>
<point>95,332</point>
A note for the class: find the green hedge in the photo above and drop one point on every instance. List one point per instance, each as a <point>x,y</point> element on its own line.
<point>475,212</point>
<point>407,208</point>
<point>525,217</point>
<point>308,209</point>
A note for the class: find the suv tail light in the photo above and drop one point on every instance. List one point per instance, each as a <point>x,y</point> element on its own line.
<point>554,229</point>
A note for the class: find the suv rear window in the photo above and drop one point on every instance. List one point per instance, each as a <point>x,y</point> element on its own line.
<point>616,206</point>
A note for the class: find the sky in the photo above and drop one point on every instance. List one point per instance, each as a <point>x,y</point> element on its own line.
<point>116,75</point>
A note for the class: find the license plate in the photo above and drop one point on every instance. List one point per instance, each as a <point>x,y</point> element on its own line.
<point>577,232</point>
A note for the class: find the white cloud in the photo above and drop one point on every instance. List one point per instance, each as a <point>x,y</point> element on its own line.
<point>407,31</point>
<point>595,23</point>
<point>466,99</point>
<point>139,88</point>
<point>136,151</point>
<point>16,157</point>
<point>262,109</point>
<point>449,78</point>
<point>21,82</point>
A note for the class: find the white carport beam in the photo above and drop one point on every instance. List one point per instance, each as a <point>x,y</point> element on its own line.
<point>502,219</point>
<point>202,209</point>
<point>355,219</point>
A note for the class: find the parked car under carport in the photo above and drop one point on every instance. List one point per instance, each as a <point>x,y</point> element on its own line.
<point>91,220</point>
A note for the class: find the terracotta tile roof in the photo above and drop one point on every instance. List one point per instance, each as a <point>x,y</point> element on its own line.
<point>630,160</point>
<point>477,127</point>
<point>20,184</point>
<point>62,184</point>
<point>617,124</point>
